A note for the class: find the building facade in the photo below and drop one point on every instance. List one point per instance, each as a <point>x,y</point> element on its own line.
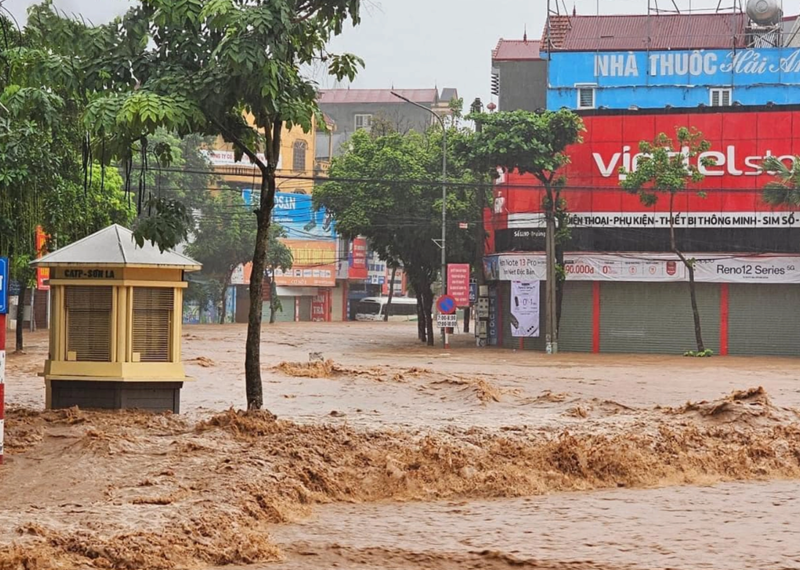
<point>631,78</point>
<point>519,75</point>
<point>349,110</point>
<point>680,60</point>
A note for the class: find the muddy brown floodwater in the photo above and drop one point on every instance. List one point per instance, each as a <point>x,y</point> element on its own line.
<point>388,454</point>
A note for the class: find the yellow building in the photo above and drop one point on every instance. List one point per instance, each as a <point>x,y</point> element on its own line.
<point>296,167</point>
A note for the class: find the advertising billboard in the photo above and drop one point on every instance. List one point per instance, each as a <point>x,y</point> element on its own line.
<point>731,211</point>
<point>358,259</point>
<point>296,214</point>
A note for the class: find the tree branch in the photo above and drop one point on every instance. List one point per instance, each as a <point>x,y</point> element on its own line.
<point>238,142</point>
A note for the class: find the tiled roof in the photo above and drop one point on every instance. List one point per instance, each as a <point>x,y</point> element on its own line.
<point>631,32</point>
<point>115,246</point>
<point>339,96</point>
<point>519,50</point>
<point>448,94</point>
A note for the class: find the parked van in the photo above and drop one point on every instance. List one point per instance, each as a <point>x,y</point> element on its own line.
<point>374,308</point>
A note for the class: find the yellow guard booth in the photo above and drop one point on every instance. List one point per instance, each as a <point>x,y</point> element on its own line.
<point>115,324</point>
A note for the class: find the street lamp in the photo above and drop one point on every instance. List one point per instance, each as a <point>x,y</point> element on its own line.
<point>444,199</point>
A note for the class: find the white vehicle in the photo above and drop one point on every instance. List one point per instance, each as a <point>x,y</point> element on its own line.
<point>374,308</point>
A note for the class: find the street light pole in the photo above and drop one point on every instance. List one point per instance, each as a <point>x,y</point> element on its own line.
<point>444,199</point>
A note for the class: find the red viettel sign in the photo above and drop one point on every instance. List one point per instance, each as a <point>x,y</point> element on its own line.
<point>458,283</point>
<point>358,259</point>
<point>733,185</point>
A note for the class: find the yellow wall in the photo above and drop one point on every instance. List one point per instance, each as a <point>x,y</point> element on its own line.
<point>288,139</point>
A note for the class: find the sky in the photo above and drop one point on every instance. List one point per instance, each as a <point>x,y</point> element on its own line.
<point>418,43</point>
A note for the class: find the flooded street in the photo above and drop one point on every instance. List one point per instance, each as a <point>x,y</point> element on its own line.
<point>725,527</point>
<point>389,454</point>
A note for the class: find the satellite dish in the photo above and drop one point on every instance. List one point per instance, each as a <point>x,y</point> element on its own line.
<point>764,12</point>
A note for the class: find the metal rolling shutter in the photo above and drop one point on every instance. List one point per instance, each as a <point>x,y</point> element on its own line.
<point>762,319</point>
<point>152,318</point>
<point>575,332</point>
<point>656,317</point>
<point>89,322</point>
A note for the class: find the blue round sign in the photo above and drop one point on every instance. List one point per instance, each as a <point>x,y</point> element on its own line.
<point>446,305</point>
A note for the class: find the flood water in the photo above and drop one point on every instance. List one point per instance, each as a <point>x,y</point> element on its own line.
<point>732,526</point>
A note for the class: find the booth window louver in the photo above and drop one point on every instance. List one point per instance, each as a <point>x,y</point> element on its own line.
<point>88,312</point>
<point>152,323</point>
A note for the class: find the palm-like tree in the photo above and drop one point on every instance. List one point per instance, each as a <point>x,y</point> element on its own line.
<point>784,190</point>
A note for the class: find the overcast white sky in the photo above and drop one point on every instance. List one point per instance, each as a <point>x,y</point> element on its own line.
<point>419,43</point>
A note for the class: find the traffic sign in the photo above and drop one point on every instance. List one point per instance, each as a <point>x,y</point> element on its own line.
<point>473,292</point>
<point>446,305</point>
<point>446,321</point>
<point>3,285</point>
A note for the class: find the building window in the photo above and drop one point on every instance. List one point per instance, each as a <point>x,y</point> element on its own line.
<point>299,156</point>
<point>364,122</point>
<point>585,96</point>
<point>88,323</point>
<point>152,324</point>
<point>720,97</point>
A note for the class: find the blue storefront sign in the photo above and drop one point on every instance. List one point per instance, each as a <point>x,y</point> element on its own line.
<point>473,292</point>
<point>295,212</point>
<point>677,77</point>
<point>3,285</point>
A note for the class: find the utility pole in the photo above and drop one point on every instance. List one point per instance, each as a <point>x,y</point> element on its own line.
<point>551,330</point>
<point>442,246</point>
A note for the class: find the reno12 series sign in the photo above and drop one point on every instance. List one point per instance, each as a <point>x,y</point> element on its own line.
<point>731,213</point>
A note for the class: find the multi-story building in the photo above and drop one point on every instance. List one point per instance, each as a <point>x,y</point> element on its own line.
<point>677,60</point>
<point>631,78</point>
<point>353,109</point>
<point>316,288</point>
<point>519,75</point>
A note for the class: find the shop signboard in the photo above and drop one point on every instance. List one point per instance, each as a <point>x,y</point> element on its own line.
<point>358,259</point>
<point>42,273</point>
<point>729,209</point>
<point>524,312</point>
<point>458,283</point>
<point>648,267</point>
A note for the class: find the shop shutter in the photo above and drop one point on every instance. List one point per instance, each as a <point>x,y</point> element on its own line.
<point>152,318</point>
<point>575,332</point>
<point>656,317</point>
<point>89,322</point>
<point>761,319</point>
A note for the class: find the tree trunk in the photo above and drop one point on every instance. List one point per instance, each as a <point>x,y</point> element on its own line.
<point>252,362</point>
<point>427,298</point>
<point>20,318</point>
<point>559,286</point>
<point>698,333</point>
<point>391,294</point>
<point>273,302</point>
<point>223,314</point>
<point>467,312</point>
<point>420,318</point>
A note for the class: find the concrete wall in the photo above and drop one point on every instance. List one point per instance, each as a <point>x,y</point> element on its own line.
<point>402,116</point>
<point>523,85</point>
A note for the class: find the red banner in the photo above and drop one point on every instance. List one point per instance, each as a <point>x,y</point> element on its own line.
<point>42,273</point>
<point>458,283</point>
<point>739,143</point>
<point>358,259</point>
<point>319,306</point>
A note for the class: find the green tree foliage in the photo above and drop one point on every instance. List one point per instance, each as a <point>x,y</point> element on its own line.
<point>194,66</point>
<point>401,219</point>
<point>784,190</point>
<point>531,143</point>
<point>223,240</point>
<point>665,168</point>
<point>45,178</point>
<point>71,212</point>
<point>279,256</point>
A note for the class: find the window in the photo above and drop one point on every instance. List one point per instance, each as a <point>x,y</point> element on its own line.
<point>152,323</point>
<point>88,323</point>
<point>402,309</point>
<point>585,96</point>
<point>299,156</point>
<point>720,97</point>
<point>364,122</point>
